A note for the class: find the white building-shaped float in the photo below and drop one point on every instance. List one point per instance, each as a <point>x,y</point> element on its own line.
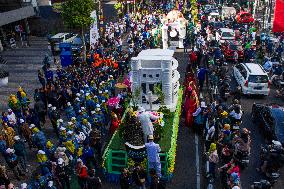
<point>156,67</point>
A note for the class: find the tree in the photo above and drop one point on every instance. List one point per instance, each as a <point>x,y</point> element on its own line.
<point>77,14</point>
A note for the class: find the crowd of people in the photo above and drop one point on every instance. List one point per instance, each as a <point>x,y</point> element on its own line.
<point>74,101</point>
<point>214,117</point>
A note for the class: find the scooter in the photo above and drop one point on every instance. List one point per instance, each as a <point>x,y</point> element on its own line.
<point>262,184</point>
<point>242,158</point>
<point>209,177</point>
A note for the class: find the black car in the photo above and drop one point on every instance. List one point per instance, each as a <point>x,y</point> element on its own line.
<point>216,25</point>
<point>270,120</point>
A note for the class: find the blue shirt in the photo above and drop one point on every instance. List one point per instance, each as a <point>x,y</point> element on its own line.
<point>153,152</point>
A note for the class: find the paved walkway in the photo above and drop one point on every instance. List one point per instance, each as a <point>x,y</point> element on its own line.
<point>22,65</point>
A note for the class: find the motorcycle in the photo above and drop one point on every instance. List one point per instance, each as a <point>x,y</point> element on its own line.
<point>262,184</point>
<point>242,158</point>
<point>209,177</point>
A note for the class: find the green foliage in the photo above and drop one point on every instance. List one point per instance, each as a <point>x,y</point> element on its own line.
<point>136,97</point>
<point>76,13</point>
<point>158,91</point>
<point>118,5</point>
<point>166,111</point>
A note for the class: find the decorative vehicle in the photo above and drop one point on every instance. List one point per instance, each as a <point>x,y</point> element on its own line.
<point>229,47</point>
<point>244,18</point>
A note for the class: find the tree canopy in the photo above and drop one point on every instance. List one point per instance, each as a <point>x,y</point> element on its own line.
<point>76,13</point>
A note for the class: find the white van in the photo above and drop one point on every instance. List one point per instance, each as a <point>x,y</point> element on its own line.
<point>62,38</point>
<point>252,78</point>
<point>224,34</point>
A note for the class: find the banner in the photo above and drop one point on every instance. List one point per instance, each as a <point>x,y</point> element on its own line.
<point>94,32</point>
<point>278,23</point>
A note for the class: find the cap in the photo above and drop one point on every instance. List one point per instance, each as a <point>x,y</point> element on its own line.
<point>50,183</point>
<point>32,126</point>
<point>9,110</point>
<point>69,123</point>
<point>73,118</point>
<point>68,104</point>
<point>62,128</point>
<point>87,94</point>
<point>22,121</point>
<point>60,120</point>
<point>54,108</point>
<point>150,137</point>
<point>41,152</point>
<point>70,132</point>
<point>103,101</point>
<point>106,91</point>
<point>98,106</point>
<point>83,108</point>
<point>16,138</point>
<point>203,105</point>
<point>24,186</point>
<point>77,99</point>
<point>78,94</point>
<point>10,150</point>
<point>93,112</point>
<point>49,106</point>
<point>60,161</point>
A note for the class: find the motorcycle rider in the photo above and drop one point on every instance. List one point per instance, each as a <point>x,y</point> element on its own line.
<point>242,144</point>
<point>272,158</point>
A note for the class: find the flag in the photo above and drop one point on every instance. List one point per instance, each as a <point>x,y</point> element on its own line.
<point>278,23</point>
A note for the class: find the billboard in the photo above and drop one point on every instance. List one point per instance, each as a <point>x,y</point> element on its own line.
<point>94,32</point>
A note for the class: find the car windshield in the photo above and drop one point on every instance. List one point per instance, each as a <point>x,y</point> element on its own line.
<point>218,25</point>
<point>258,79</point>
<point>57,40</point>
<point>227,34</point>
<point>235,47</point>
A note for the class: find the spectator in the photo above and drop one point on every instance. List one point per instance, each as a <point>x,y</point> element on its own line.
<point>124,179</point>
<point>153,150</point>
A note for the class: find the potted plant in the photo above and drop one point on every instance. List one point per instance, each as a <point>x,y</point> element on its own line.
<point>3,77</point>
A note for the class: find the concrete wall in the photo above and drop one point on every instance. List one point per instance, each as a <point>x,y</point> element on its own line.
<point>16,15</point>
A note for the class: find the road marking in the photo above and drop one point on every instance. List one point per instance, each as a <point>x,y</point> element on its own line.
<point>197,162</point>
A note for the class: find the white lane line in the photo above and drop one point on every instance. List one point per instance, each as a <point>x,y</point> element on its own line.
<point>197,162</point>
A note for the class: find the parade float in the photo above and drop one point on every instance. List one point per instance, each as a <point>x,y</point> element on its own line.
<point>156,91</point>
<point>173,29</point>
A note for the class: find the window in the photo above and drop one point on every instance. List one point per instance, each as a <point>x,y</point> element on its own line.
<point>151,87</point>
<point>143,86</point>
<point>258,79</point>
<point>157,75</point>
<point>144,75</point>
<point>150,76</point>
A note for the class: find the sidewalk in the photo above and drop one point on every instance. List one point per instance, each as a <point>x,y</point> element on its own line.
<point>22,65</point>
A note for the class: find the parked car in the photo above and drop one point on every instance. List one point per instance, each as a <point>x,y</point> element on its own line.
<point>61,38</point>
<point>224,34</point>
<point>244,18</point>
<point>230,47</point>
<point>270,120</point>
<point>216,25</point>
<point>252,78</point>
